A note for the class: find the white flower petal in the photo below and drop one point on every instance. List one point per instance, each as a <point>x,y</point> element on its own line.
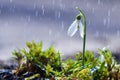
<point>81,29</point>
<point>73,28</point>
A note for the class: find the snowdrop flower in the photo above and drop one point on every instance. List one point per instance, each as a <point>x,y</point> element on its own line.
<point>79,24</point>
<point>76,25</point>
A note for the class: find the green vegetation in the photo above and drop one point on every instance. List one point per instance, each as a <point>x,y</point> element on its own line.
<point>48,64</point>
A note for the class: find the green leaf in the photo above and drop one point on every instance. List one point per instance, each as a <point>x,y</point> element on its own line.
<point>102,66</point>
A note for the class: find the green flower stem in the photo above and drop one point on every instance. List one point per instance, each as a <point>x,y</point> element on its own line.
<point>84,37</point>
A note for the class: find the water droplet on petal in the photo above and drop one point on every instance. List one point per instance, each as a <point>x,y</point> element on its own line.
<point>81,29</point>
<point>73,28</point>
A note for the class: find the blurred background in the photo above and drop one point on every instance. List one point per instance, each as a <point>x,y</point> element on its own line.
<point>48,20</point>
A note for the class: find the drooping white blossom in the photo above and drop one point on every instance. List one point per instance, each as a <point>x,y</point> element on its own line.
<point>75,26</point>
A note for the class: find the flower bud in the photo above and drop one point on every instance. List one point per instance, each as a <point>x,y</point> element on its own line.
<point>78,17</point>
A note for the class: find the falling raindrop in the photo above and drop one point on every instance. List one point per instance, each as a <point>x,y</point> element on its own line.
<point>28,18</point>
<point>104,21</point>
<point>108,22</point>
<point>88,5</point>
<point>34,6</point>
<point>50,32</point>
<point>62,24</point>
<point>113,8</point>
<point>96,33</point>
<point>0,11</point>
<point>118,33</point>
<point>93,10</point>
<point>43,10</point>
<point>62,6</point>
<point>109,13</point>
<point>53,2</point>
<point>108,19</point>
<point>57,14</point>
<point>11,1</point>
<point>99,2</point>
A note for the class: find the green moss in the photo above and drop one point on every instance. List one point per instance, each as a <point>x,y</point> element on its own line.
<point>35,59</point>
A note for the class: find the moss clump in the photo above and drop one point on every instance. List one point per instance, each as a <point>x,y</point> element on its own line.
<point>48,64</point>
